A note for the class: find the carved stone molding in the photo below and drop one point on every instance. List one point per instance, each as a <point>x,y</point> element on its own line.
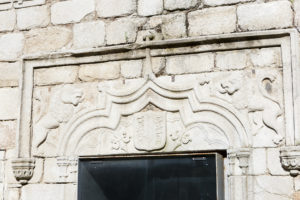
<point>23,169</point>
<point>290,159</point>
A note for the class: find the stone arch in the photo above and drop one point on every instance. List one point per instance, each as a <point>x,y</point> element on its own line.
<point>184,100</point>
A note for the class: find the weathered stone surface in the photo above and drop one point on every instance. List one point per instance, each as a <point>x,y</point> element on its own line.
<point>158,64</point>
<point>51,171</point>
<point>149,8</point>
<point>100,71</point>
<point>47,191</point>
<point>174,26</point>
<point>266,57</point>
<point>212,21</point>
<point>47,39</point>
<point>38,171</point>
<point>297,183</point>
<point>8,134</point>
<point>297,12</point>
<point>179,4</point>
<point>55,75</point>
<point>249,19</point>
<point>9,98</point>
<point>90,34</point>
<point>274,164</point>
<point>71,11</point>
<point>114,8</point>
<point>7,20</point>
<point>296,195</point>
<point>9,74</point>
<point>273,187</point>
<point>190,63</point>
<point>259,161</point>
<point>32,17</point>
<point>11,46</point>
<point>12,194</point>
<point>132,69</point>
<point>228,60</point>
<point>121,31</point>
<point>223,2</point>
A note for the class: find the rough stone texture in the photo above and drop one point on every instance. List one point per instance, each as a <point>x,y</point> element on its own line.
<point>171,26</point>
<point>55,75</point>
<point>32,17</point>
<point>9,74</point>
<point>266,57</point>
<point>9,103</point>
<point>101,71</point>
<point>223,2</point>
<point>114,8</point>
<point>190,63</point>
<point>132,69</point>
<point>11,46</point>
<point>228,60</point>
<point>121,31</point>
<point>212,21</point>
<point>76,10</point>
<point>47,191</point>
<point>90,34</point>
<point>47,39</point>
<point>149,8</point>
<point>7,20</point>
<point>179,4</point>
<point>8,135</point>
<point>174,26</point>
<point>249,19</point>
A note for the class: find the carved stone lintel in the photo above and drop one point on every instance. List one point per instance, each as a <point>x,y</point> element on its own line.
<point>23,169</point>
<point>290,159</point>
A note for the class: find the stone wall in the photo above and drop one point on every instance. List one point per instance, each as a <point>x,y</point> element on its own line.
<point>218,74</point>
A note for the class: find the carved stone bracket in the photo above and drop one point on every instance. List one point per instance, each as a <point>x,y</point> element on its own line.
<point>64,165</point>
<point>23,169</point>
<point>290,159</point>
<point>243,155</point>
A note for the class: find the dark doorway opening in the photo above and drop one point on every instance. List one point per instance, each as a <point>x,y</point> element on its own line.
<point>195,176</point>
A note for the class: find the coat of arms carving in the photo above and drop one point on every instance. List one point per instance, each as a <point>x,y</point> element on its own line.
<point>150,133</point>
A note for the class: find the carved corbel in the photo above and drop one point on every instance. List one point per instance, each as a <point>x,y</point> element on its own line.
<point>243,156</point>
<point>64,165</point>
<point>290,159</point>
<point>23,169</point>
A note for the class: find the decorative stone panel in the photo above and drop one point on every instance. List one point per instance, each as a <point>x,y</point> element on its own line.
<point>206,93</point>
